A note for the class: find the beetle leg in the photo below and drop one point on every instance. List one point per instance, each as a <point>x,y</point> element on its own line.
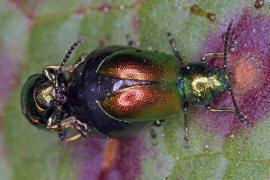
<point>81,131</point>
<point>221,54</point>
<point>73,138</point>
<point>174,49</point>
<point>185,109</point>
<point>240,116</point>
<point>209,107</point>
<point>218,54</point>
<point>130,41</point>
<point>158,123</point>
<point>72,123</point>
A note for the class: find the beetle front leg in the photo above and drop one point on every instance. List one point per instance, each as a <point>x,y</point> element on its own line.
<point>174,49</point>
<point>221,54</point>
<point>73,138</point>
<point>158,123</point>
<point>209,107</point>
<point>72,123</point>
<point>218,54</point>
<point>236,111</point>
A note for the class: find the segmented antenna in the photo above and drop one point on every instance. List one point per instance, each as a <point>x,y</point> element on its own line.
<point>226,44</point>
<point>70,51</point>
<point>66,58</point>
<point>239,115</point>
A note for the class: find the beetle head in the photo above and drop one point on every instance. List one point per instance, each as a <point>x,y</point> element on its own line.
<point>37,100</point>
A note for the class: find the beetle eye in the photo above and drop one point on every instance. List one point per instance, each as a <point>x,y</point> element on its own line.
<point>36,99</point>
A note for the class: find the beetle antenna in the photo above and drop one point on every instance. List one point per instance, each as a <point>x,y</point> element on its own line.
<point>70,51</point>
<point>66,58</point>
<point>239,115</point>
<point>59,97</point>
<point>226,44</point>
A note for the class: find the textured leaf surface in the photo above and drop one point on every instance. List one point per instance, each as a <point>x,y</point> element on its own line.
<point>36,34</point>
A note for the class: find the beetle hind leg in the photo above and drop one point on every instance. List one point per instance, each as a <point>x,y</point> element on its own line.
<point>71,123</point>
<point>209,107</point>
<point>218,54</point>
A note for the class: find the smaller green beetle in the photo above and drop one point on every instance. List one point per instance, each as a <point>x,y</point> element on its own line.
<point>118,90</point>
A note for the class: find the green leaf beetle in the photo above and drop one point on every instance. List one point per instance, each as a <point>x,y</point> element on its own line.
<point>118,90</point>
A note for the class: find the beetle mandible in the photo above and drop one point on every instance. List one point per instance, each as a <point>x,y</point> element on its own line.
<point>117,90</point>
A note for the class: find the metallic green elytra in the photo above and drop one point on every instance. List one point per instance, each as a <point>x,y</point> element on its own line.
<point>156,73</point>
<point>116,91</point>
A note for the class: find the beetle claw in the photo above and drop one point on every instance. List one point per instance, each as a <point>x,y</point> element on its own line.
<point>243,119</point>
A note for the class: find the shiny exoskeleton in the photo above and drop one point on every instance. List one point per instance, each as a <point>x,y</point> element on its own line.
<point>118,90</point>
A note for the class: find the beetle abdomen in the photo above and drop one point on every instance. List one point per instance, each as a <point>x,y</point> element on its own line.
<point>87,87</point>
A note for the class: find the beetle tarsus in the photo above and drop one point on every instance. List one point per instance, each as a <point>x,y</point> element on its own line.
<point>72,122</point>
<point>82,128</point>
<point>243,119</point>
<point>130,41</point>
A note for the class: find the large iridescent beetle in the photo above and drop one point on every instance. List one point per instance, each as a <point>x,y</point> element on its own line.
<point>117,90</point>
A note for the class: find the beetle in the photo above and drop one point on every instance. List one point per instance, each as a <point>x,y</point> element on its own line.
<point>118,90</point>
